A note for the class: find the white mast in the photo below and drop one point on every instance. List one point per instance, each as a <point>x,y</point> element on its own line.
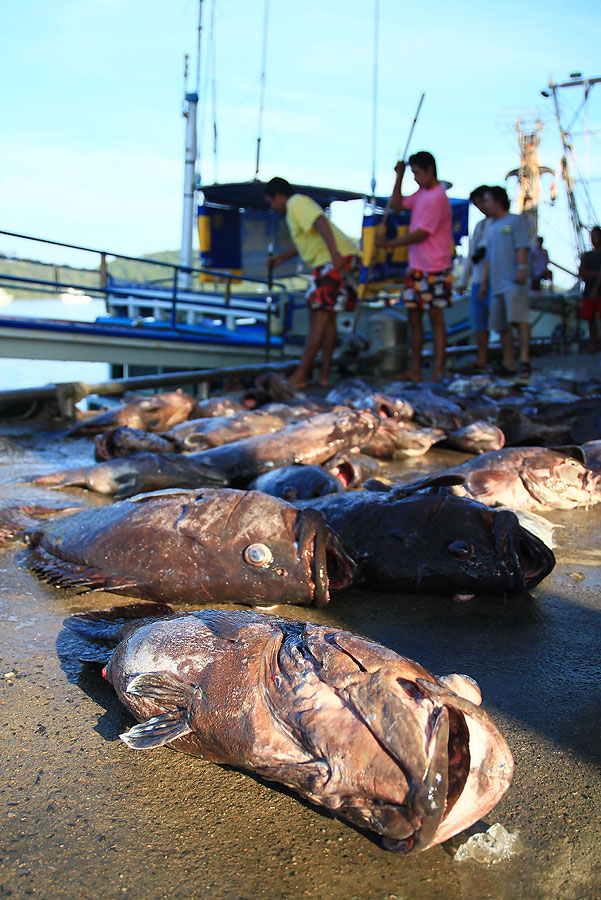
<point>189,112</point>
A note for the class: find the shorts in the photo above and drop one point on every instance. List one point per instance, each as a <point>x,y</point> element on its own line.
<point>589,307</point>
<point>509,308</point>
<point>332,289</point>
<point>479,309</point>
<point>427,289</point>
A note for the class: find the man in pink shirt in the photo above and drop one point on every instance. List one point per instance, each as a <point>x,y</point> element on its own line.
<point>430,239</point>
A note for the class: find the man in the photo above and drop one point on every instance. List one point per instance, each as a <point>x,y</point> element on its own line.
<point>475,266</point>
<point>590,273</point>
<point>507,271</point>
<point>538,260</point>
<point>336,265</point>
<point>428,280</point>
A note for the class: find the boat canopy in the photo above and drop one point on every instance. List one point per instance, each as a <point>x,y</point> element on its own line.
<point>237,229</point>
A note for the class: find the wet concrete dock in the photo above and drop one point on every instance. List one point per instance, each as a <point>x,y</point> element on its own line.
<point>82,816</point>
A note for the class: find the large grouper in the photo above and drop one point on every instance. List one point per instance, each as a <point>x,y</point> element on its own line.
<point>204,546</point>
<point>341,720</point>
<point>415,539</point>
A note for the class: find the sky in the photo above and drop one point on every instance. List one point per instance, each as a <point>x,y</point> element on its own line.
<point>92,149</point>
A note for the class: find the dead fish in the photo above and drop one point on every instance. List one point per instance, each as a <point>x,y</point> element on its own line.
<point>430,408</point>
<point>136,473</point>
<point>310,441</point>
<point>198,434</point>
<point>296,482</point>
<point>434,543</point>
<point>269,387</point>
<point>211,546</point>
<point>218,405</point>
<point>477,437</point>
<point>354,393</point>
<point>530,478</point>
<point>352,469</point>
<point>158,412</point>
<point>123,441</point>
<point>396,439</point>
<point>344,722</point>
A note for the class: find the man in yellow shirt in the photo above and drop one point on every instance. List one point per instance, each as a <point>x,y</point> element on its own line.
<point>335,261</point>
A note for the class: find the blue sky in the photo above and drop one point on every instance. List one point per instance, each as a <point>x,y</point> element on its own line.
<point>93,136</point>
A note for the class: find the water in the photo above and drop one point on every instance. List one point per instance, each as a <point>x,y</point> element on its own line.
<point>23,373</point>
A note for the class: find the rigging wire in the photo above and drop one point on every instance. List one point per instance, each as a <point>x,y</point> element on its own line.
<point>262,91</point>
<point>214,89</point>
<point>374,120</point>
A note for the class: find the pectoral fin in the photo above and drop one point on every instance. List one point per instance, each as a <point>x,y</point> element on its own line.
<point>157,732</point>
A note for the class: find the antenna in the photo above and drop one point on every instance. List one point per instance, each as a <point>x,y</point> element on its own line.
<point>262,94</point>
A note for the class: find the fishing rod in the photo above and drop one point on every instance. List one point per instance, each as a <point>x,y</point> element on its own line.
<point>382,224</point>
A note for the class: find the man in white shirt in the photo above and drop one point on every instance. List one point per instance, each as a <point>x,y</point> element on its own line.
<point>475,266</point>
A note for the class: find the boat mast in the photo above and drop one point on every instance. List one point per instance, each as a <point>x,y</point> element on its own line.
<point>568,152</point>
<point>528,175</point>
<point>189,113</point>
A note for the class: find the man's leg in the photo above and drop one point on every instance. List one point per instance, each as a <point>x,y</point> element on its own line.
<point>318,321</point>
<point>414,372</point>
<point>328,347</point>
<point>439,332</point>
<point>482,347</point>
<point>507,347</point>
<point>524,341</point>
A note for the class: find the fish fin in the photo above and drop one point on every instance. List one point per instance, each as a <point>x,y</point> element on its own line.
<point>430,482</point>
<point>165,688</point>
<point>107,624</point>
<point>65,478</point>
<point>223,623</point>
<point>537,525</point>
<point>64,573</point>
<point>100,658</point>
<point>156,732</point>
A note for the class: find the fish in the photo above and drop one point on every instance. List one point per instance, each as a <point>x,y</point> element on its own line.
<point>136,473</point>
<point>352,469</point>
<point>158,412</point>
<point>312,440</point>
<point>354,393</point>
<point>344,722</point>
<point>217,405</point>
<point>397,439</point>
<point>476,437</point>
<point>434,543</point>
<point>207,546</point>
<point>592,455</point>
<point>296,482</point>
<point>198,434</point>
<point>530,478</point>
<point>124,440</point>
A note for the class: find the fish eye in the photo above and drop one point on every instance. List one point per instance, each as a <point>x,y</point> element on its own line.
<point>461,549</point>
<point>258,555</point>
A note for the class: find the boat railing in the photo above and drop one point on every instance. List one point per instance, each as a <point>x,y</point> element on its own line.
<point>178,296</point>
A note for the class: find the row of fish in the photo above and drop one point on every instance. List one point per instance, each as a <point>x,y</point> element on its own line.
<point>262,514</point>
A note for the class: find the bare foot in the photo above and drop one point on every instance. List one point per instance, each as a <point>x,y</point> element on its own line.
<point>297,380</point>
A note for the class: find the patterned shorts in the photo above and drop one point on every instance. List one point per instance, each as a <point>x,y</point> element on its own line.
<point>423,290</point>
<point>332,289</point>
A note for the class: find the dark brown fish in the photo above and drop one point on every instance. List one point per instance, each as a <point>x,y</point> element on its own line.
<point>396,439</point>
<point>158,412</point>
<point>341,720</point>
<point>214,431</point>
<point>123,441</point>
<point>477,437</point>
<point>212,546</point>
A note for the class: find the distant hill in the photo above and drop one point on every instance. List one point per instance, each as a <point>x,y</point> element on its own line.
<point>125,269</point>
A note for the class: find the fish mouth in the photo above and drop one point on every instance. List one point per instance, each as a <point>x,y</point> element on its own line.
<point>528,559</point>
<point>329,565</point>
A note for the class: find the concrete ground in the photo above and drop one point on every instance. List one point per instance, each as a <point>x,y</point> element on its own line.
<point>82,816</point>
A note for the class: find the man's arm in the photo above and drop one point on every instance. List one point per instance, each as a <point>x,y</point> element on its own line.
<point>412,237</point>
<point>396,200</point>
<point>522,263</point>
<point>274,261</point>
<point>322,225</point>
<point>485,277</point>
